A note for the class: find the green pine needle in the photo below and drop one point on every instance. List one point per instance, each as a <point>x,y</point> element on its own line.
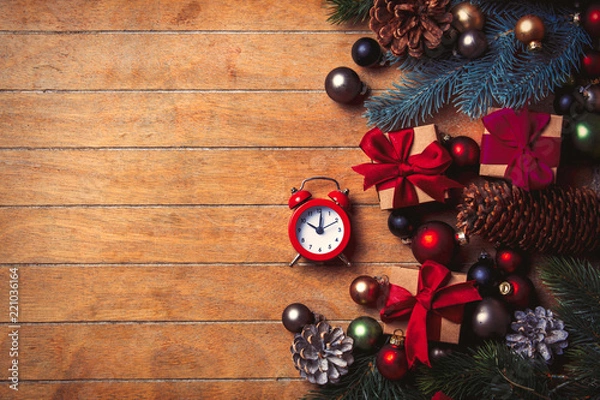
<point>492,371</point>
<point>352,11</point>
<point>365,382</point>
<point>575,284</point>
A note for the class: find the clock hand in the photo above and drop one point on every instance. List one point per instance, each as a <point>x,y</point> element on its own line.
<point>321,221</point>
<point>328,225</point>
<point>312,226</point>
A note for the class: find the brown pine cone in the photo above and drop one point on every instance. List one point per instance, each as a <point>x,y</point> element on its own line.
<point>553,220</point>
<point>407,25</point>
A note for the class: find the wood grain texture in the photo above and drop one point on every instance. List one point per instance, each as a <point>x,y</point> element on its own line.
<point>183,176</point>
<point>200,293</point>
<point>153,351</point>
<point>147,152</point>
<point>258,389</point>
<point>168,15</point>
<point>150,61</point>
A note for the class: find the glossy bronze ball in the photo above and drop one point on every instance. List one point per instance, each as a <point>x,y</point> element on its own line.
<point>530,30</point>
<point>467,16</point>
<point>472,43</point>
<point>343,85</point>
<point>295,316</point>
<point>491,318</point>
<point>365,290</point>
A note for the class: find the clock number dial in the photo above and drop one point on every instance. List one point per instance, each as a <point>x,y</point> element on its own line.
<point>320,230</point>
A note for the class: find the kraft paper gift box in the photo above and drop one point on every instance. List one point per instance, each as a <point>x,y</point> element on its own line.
<point>449,332</point>
<point>406,149</point>
<point>546,147</point>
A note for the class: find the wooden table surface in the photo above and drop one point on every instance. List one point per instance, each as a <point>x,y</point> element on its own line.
<point>147,152</point>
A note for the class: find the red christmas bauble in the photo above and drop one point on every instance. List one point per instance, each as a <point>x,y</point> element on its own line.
<point>516,290</point>
<point>365,290</point>
<point>509,260</point>
<point>391,362</point>
<point>464,151</point>
<point>436,241</point>
<point>590,64</point>
<point>591,20</point>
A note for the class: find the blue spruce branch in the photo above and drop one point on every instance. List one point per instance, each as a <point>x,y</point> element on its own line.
<point>506,76</point>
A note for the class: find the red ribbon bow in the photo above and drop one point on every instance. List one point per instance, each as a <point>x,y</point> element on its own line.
<point>394,167</point>
<point>516,139</point>
<point>432,302</point>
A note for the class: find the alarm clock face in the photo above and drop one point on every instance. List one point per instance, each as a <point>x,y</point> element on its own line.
<point>319,230</point>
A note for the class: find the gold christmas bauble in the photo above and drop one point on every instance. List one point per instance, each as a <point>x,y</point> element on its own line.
<point>466,16</point>
<point>530,30</point>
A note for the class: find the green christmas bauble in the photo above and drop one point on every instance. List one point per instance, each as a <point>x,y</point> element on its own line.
<point>586,134</point>
<point>367,334</point>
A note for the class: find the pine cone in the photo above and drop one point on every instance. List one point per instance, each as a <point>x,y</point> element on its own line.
<point>537,332</point>
<point>321,353</point>
<point>406,25</point>
<point>553,220</point>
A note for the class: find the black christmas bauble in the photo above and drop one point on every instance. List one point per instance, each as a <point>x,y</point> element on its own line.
<point>486,276</point>
<point>366,52</point>
<point>563,103</point>
<point>491,318</point>
<point>517,290</point>
<point>367,334</point>
<point>400,225</point>
<point>591,97</point>
<point>436,241</point>
<point>365,290</point>
<point>464,151</point>
<point>295,316</point>
<point>343,85</point>
<point>391,362</point>
<point>472,43</point>
<point>591,20</point>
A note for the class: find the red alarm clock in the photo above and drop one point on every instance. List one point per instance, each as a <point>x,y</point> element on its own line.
<point>319,229</point>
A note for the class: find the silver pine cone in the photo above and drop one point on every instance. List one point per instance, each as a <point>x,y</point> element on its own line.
<point>537,332</point>
<point>321,353</point>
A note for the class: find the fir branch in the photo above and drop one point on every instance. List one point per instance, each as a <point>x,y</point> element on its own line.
<point>490,371</point>
<point>364,382</point>
<point>576,286</point>
<point>506,76</point>
<point>353,11</point>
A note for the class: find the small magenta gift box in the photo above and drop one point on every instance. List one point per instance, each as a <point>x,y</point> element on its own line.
<point>407,166</point>
<point>522,147</point>
<point>426,304</point>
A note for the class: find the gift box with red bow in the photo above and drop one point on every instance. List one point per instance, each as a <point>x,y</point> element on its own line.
<point>407,166</point>
<point>426,304</point>
<point>522,147</point>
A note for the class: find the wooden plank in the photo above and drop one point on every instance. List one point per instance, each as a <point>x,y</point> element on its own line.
<point>160,390</point>
<point>153,351</point>
<point>184,119</point>
<point>157,119</point>
<point>202,61</point>
<point>187,176</point>
<point>194,292</point>
<point>233,234</point>
<point>172,15</point>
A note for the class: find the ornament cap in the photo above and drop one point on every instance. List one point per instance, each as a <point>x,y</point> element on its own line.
<point>505,288</point>
<point>397,338</point>
<point>534,46</point>
<point>461,238</point>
